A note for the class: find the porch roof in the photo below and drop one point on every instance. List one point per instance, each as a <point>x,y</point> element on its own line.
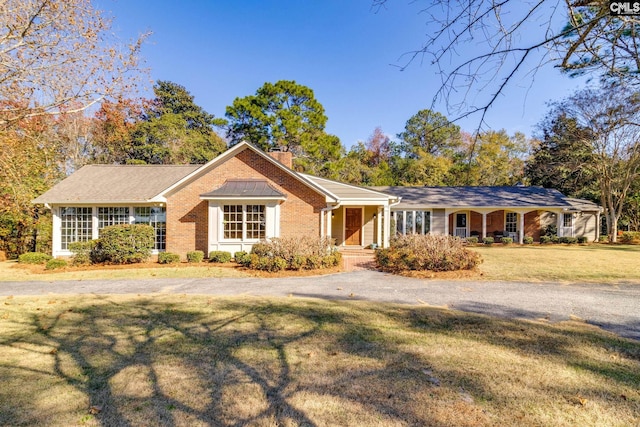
<point>477,197</point>
<point>349,192</point>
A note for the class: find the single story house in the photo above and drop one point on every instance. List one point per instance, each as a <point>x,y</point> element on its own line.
<point>246,195</point>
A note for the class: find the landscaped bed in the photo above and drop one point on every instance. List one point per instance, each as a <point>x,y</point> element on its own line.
<point>194,360</point>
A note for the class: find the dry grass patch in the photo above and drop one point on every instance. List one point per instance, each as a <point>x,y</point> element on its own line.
<point>599,263</point>
<point>191,360</point>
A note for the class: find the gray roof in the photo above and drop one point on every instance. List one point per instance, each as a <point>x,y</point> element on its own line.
<point>244,188</point>
<point>115,183</point>
<point>466,197</point>
<point>584,205</point>
<point>348,191</point>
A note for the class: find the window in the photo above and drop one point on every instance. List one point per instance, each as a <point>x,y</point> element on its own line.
<point>567,220</point>
<point>408,222</point>
<point>76,226</point>
<point>408,219</point>
<point>156,217</point>
<point>511,222</point>
<point>112,216</point>
<point>244,222</point>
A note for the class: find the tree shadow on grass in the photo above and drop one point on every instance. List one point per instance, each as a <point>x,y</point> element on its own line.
<point>155,361</point>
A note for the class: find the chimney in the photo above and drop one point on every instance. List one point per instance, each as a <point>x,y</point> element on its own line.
<point>284,157</point>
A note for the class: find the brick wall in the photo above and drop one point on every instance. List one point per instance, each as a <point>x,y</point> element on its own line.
<point>187,215</point>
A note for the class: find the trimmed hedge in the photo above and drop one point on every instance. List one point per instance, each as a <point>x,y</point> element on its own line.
<point>473,240</point>
<point>83,252</point>
<point>53,264</point>
<point>195,256</point>
<point>506,240</point>
<point>426,252</point>
<point>528,240</point>
<point>583,239</point>
<point>219,256</point>
<point>487,241</point>
<point>34,258</point>
<point>125,244</point>
<point>168,258</point>
<point>305,253</point>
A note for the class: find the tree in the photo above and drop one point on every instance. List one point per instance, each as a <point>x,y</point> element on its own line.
<point>284,115</point>
<point>480,46</point>
<point>561,159</point>
<point>612,114</point>
<point>112,128</point>
<point>59,56</point>
<point>173,129</point>
<point>429,132</point>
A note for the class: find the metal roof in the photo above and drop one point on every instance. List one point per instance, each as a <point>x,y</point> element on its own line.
<point>348,191</point>
<point>244,188</point>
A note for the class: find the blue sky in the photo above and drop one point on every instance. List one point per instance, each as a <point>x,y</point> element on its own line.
<point>344,50</point>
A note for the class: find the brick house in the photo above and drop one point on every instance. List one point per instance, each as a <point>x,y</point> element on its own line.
<point>246,195</point>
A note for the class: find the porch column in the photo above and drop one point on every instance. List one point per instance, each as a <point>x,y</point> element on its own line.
<point>387,225</point>
<point>379,227</point>
<point>446,222</point>
<point>322,219</point>
<point>484,225</point>
<point>329,220</point>
<point>521,232</point>
<point>559,223</point>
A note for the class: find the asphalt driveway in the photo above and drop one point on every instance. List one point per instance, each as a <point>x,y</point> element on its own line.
<point>614,308</point>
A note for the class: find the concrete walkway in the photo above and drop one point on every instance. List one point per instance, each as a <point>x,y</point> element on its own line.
<point>614,308</point>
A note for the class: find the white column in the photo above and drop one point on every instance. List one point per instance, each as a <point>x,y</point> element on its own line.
<point>56,238</point>
<point>387,225</point>
<point>379,227</point>
<point>559,223</point>
<point>329,220</point>
<point>322,220</point>
<point>484,225</point>
<point>521,226</point>
<point>446,223</point>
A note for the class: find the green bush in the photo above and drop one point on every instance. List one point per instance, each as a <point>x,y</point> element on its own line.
<point>124,244</point>
<point>168,258</point>
<point>630,237</point>
<point>53,264</point>
<point>298,262</point>
<point>195,256</point>
<point>545,239</point>
<point>426,252</point>
<point>473,240</point>
<point>314,262</point>
<point>528,240</point>
<point>583,239</point>
<point>297,253</point>
<point>267,263</point>
<point>487,241</point>
<point>555,239</point>
<point>219,256</point>
<point>261,249</point>
<point>506,240</point>
<point>34,258</point>
<point>567,240</point>
<point>83,252</point>
<point>242,258</point>
<point>603,239</point>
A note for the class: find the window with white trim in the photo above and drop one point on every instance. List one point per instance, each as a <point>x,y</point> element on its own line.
<point>567,220</point>
<point>511,222</point>
<point>156,217</point>
<point>413,222</point>
<point>112,216</point>
<point>75,225</point>
<point>244,222</point>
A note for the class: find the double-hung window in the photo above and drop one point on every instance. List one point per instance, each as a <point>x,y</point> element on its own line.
<point>244,222</point>
<point>112,216</point>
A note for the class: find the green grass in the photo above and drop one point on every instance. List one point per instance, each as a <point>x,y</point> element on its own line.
<point>565,263</point>
<point>192,360</point>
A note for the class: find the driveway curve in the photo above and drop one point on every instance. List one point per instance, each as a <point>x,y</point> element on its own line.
<point>615,308</point>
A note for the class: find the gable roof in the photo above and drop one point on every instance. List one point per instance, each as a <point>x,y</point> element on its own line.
<point>115,183</point>
<point>244,188</point>
<point>478,197</point>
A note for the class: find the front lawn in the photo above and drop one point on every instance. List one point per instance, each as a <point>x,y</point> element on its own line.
<point>599,263</point>
<point>195,360</point>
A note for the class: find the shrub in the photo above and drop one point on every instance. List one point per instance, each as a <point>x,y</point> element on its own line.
<point>297,253</point>
<point>426,252</point>
<point>219,256</point>
<point>528,240</point>
<point>168,258</point>
<point>555,239</point>
<point>473,240</point>
<point>551,230</point>
<point>3,256</point>
<point>195,256</point>
<point>34,258</point>
<point>314,262</point>
<point>261,249</point>
<point>568,240</point>
<point>545,239</point>
<point>267,263</point>
<point>298,262</point>
<point>124,244</point>
<point>53,264</point>
<point>630,237</point>
<point>506,240</point>
<point>603,239</point>
<point>583,239</point>
<point>487,241</point>
<point>83,252</point>
<point>242,258</point>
